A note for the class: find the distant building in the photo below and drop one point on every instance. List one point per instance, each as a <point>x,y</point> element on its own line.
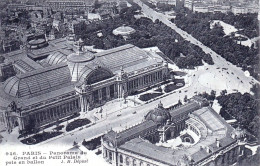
<point>244,8</point>
<point>124,31</point>
<point>122,5</point>
<point>77,27</point>
<point>207,139</point>
<point>200,7</point>
<point>169,2</point>
<point>223,7</point>
<point>69,5</point>
<point>189,4</point>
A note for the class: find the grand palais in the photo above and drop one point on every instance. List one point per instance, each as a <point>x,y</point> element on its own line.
<point>59,78</point>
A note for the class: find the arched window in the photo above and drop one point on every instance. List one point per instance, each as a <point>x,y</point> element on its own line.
<point>127,161</point>
<point>98,75</point>
<point>121,159</point>
<point>110,155</point>
<point>134,162</point>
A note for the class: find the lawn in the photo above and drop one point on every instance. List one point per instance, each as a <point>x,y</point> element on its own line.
<point>77,123</point>
<point>149,96</point>
<point>171,87</point>
<point>40,137</point>
<point>176,81</point>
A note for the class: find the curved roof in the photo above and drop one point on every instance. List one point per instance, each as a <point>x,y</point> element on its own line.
<point>11,85</point>
<point>123,30</point>
<point>81,64</point>
<point>37,82</point>
<point>92,74</point>
<point>56,58</point>
<point>158,115</point>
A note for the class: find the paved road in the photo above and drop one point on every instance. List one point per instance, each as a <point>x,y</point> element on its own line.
<point>218,60</point>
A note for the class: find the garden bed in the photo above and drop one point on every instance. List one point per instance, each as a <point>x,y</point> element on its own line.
<point>77,123</point>
<point>58,128</point>
<point>172,87</point>
<point>92,144</point>
<point>149,96</point>
<point>176,81</point>
<point>40,137</point>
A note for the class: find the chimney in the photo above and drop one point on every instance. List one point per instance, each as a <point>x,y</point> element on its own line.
<point>208,150</point>
<point>218,143</point>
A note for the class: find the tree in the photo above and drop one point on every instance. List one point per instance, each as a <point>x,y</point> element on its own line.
<point>185,98</point>
<point>223,92</point>
<point>179,102</point>
<point>213,95</point>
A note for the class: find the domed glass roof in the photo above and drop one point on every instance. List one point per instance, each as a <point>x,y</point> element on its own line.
<point>123,30</point>
<point>158,115</point>
<point>79,60</point>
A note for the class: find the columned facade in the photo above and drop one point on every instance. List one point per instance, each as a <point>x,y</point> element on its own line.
<point>44,113</point>
<point>121,157</point>
<point>119,86</point>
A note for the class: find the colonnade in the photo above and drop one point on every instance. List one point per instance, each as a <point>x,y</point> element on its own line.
<point>120,159</point>
<point>50,114</point>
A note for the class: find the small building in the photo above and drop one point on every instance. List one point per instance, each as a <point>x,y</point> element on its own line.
<point>124,31</point>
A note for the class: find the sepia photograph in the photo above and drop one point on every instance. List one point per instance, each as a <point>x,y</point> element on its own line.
<point>129,83</point>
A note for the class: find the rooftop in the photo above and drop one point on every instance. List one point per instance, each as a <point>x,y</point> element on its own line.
<point>128,56</point>
<point>189,107</point>
<point>132,131</point>
<point>123,30</point>
<point>38,81</point>
<point>151,151</point>
<point>216,128</point>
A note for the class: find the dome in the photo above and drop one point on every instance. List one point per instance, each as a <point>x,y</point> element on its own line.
<point>238,133</point>
<point>77,61</point>
<point>123,30</point>
<point>80,57</point>
<point>158,115</point>
<point>11,86</point>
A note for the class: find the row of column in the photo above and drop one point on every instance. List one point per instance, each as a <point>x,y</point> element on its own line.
<point>228,158</point>
<point>124,160</point>
<point>145,80</point>
<point>96,97</point>
<point>57,112</point>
